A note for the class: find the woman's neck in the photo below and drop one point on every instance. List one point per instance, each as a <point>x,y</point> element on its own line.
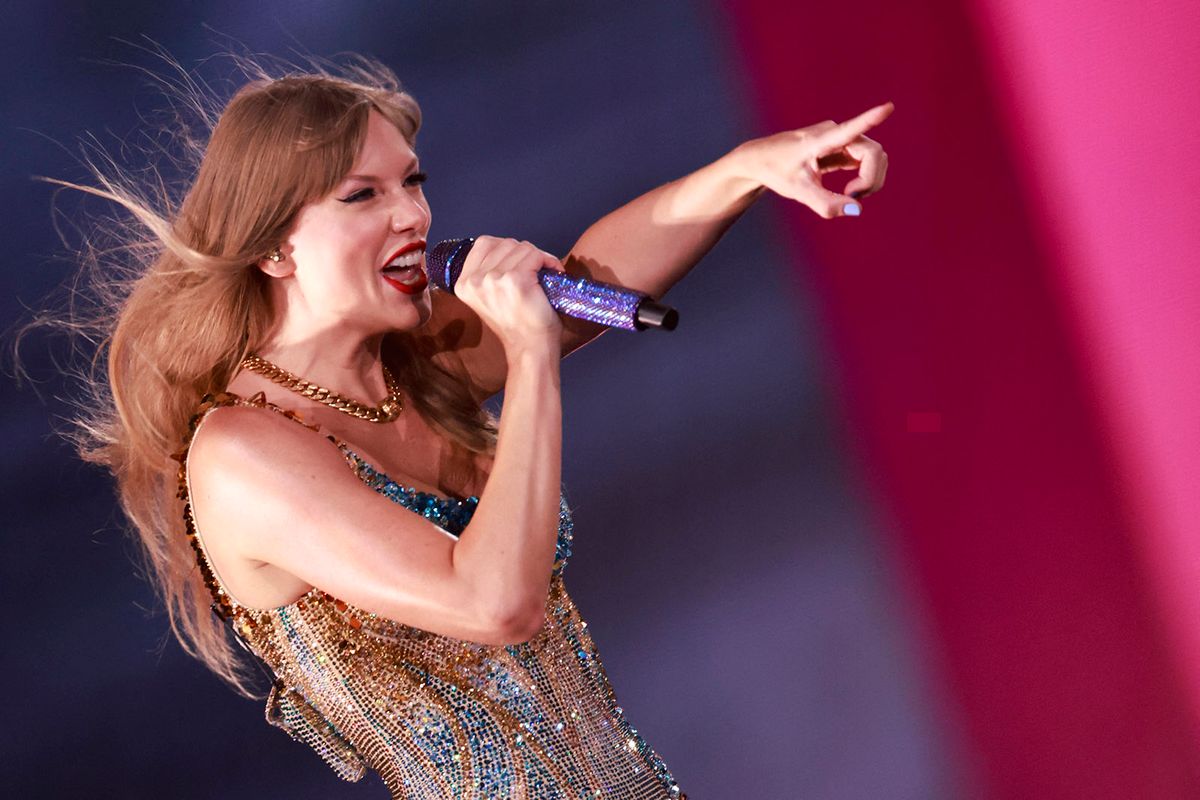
<point>346,364</point>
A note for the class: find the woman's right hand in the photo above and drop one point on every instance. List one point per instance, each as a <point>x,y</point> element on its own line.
<point>499,282</point>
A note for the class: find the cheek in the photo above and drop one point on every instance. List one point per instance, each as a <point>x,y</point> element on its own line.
<point>339,257</point>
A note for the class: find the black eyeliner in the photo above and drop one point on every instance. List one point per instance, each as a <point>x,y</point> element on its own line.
<point>354,196</point>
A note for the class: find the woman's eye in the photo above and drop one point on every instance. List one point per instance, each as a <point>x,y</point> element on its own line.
<point>416,179</point>
<point>361,194</point>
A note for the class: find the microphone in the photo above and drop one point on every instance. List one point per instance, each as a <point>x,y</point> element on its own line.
<point>582,298</point>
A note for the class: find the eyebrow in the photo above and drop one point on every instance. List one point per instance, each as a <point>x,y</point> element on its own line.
<point>412,164</point>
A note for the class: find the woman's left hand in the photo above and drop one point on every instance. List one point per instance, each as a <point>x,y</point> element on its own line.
<point>792,163</point>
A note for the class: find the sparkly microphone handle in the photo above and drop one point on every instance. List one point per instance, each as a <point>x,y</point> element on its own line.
<point>582,298</point>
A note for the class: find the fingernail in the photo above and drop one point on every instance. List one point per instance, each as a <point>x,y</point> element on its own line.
<point>851,209</point>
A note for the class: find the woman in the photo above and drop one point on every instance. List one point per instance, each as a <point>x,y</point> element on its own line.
<point>282,296</point>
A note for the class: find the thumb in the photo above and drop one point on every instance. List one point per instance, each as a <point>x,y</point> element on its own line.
<point>831,204</point>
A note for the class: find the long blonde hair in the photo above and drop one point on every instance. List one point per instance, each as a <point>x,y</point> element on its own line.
<point>191,304</point>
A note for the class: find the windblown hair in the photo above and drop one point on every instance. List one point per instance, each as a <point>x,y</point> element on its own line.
<point>187,303</point>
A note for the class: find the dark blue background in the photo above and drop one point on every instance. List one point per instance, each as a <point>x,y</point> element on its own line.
<point>730,565</point>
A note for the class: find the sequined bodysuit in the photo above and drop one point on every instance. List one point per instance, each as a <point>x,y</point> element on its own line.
<point>439,717</point>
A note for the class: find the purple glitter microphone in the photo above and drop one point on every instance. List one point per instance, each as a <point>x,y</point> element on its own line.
<point>582,298</point>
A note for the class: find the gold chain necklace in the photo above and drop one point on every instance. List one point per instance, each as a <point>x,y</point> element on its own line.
<point>388,410</point>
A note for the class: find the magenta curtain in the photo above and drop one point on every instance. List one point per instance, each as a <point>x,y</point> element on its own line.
<point>1015,322</point>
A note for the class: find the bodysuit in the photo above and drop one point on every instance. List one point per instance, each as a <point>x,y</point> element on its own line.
<point>439,717</point>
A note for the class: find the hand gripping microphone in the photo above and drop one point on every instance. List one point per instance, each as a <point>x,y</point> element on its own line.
<point>603,303</point>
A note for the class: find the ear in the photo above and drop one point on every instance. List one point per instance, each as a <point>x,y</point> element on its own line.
<point>278,269</point>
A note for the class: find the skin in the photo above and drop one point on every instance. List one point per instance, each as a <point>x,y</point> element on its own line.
<point>278,508</point>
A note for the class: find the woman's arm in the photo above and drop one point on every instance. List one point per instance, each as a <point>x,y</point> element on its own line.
<point>650,243</point>
<point>265,491</point>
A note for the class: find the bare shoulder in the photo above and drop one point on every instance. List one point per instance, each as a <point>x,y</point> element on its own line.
<point>279,511</point>
<point>231,434</point>
<point>251,470</point>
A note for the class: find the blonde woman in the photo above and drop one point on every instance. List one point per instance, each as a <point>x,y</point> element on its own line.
<point>295,423</point>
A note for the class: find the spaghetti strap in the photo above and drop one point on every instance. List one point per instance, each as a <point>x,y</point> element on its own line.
<point>224,605</point>
<point>257,400</point>
<point>450,514</point>
<point>369,473</point>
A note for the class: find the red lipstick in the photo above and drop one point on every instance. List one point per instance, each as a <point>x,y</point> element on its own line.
<point>419,244</point>
<point>409,288</point>
<point>418,285</point>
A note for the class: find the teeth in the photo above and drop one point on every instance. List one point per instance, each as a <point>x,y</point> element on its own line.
<point>410,259</point>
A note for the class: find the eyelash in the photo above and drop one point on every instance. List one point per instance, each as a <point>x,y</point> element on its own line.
<point>416,179</point>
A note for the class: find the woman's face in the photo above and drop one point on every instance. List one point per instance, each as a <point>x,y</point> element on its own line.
<point>340,245</point>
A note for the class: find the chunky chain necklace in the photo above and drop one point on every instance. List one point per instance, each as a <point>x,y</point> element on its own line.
<point>388,410</point>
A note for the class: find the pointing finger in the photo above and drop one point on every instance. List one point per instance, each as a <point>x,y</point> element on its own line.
<point>851,129</point>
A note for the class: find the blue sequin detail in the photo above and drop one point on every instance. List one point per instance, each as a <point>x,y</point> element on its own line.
<point>441,717</point>
<point>451,514</point>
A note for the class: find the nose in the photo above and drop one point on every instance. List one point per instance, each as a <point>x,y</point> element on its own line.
<point>410,212</point>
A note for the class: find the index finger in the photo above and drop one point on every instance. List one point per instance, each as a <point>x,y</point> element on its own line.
<point>851,129</point>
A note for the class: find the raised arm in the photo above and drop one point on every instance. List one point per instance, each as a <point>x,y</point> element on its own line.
<point>650,243</point>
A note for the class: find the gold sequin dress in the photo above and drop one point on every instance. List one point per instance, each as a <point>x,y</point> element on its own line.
<point>439,717</point>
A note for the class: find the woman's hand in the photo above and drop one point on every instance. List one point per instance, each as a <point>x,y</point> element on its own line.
<point>499,283</point>
<point>792,163</point>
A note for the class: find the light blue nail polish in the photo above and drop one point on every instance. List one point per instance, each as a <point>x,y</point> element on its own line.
<point>851,209</point>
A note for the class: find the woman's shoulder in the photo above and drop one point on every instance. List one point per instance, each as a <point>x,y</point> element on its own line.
<point>249,477</point>
<point>246,438</point>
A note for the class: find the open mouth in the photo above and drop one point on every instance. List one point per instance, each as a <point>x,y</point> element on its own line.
<point>404,269</point>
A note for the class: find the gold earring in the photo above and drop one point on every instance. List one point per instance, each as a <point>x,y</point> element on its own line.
<point>275,255</point>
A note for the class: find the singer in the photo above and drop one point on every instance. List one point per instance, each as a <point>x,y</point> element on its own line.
<point>295,422</point>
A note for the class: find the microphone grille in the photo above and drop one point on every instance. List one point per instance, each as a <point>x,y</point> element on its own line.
<point>445,262</point>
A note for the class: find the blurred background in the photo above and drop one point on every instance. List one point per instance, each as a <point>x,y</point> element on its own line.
<point>907,506</point>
